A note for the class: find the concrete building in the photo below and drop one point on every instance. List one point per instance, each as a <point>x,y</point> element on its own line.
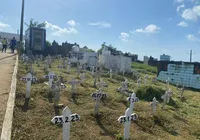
<point>84,57</point>
<point>119,62</point>
<point>164,57</point>
<point>146,60</point>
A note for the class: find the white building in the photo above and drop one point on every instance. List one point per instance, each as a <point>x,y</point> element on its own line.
<point>84,57</point>
<point>120,62</point>
<point>164,57</point>
<point>181,74</point>
<point>146,60</point>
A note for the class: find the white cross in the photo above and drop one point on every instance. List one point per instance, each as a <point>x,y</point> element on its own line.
<point>73,83</point>
<point>182,91</point>
<point>128,117</point>
<point>28,79</point>
<point>169,94</point>
<point>111,73</point>
<point>167,83</point>
<point>68,66</point>
<point>65,120</point>
<point>101,84</point>
<point>139,82</point>
<point>50,76</point>
<point>93,68</point>
<point>145,79</point>
<point>82,76</point>
<point>97,96</point>
<point>153,104</point>
<point>165,98</point>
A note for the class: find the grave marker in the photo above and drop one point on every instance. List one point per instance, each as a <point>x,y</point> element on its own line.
<point>65,120</point>
<point>98,96</point>
<point>139,82</point>
<point>128,117</point>
<point>153,105</point>
<point>50,76</point>
<point>165,99</point>
<point>28,79</point>
<point>145,79</point>
<point>82,76</point>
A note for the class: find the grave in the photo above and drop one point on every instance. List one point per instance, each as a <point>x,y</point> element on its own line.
<point>98,96</point>
<point>65,120</point>
<point>28,79</point>
<point>128,117</point>
<point>153,104</point>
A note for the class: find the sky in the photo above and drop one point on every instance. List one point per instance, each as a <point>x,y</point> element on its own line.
<point>143,27</point>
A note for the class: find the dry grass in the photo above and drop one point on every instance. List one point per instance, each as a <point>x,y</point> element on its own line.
<point>180,121</point>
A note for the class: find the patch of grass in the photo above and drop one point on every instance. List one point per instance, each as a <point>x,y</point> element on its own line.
<point>144,68</point>
<point>147,93</point>
<point>180,120</point>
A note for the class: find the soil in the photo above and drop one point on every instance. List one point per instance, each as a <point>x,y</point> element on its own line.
<point>7,62</point>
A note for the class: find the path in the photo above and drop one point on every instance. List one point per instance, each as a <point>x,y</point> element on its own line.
<point>7,62</point>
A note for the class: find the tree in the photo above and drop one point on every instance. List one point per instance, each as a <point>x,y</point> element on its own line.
<point>33,23</point>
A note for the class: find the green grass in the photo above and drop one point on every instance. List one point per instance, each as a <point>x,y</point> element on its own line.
<point>180,120</point>
<point>144,68</point>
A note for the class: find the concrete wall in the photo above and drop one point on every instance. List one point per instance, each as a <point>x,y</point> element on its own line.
<point>182,74</point>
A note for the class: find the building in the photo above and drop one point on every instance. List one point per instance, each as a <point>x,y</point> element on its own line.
<point>84,57</point>
<point>164,57</point>
<point>146,60</point>
<point>118,62</point>
<point>186,74</point>
<point>9,36</point>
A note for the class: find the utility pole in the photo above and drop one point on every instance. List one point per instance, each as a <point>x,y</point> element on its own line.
<point>190,56</point>
<point>22,22</point>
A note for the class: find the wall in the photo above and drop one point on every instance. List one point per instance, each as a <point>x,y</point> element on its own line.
<point>186,74</point>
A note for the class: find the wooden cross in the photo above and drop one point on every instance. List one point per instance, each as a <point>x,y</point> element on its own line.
<point>65,120</point>
<point>73,83</point>
<point>145,79</point>
<point>165,99</point>
<point>111,73</point>
<point>82,76</point>
<point>167,83</point>
<point>101,84</point>
<point>169,93</point>
<point>98,96</point>
<point>128,117</point>
<point>139,82</point>
<point>50,76</point>
<point>28,79</point>
<point>68,66</point>
<point>153,104</point>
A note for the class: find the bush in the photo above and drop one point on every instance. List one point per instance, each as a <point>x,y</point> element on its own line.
<point>147,93</point>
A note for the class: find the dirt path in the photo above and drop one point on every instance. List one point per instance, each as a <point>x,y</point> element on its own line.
<point>7,62</point>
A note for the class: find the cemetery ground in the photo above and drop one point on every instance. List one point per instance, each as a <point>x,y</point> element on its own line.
<point>180,120</point>
<point>7,62</point>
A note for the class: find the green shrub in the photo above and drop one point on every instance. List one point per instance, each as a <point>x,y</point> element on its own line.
<point>147,93</point>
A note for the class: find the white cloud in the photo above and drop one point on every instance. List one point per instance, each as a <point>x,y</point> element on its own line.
<point>72,22</point>
<point>192,14</point>
<point>182,24</point>
<point>101,24</point>
<point>149,29</point>
<point>58,31</point>
<point>169,19</point>
<point>124,36</point>
<point>179,1</point>
<point>180,7</point>
<point>192,38</point>
<point>3,26</point>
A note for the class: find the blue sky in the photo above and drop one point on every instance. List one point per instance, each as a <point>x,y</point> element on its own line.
<point>144,27</point>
